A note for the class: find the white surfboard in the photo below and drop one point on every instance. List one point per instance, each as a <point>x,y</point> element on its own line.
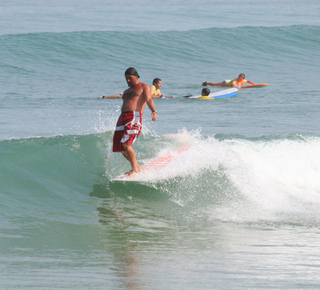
<point>221,94</point>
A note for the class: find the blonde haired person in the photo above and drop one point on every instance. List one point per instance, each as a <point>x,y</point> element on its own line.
<point>237,82</point>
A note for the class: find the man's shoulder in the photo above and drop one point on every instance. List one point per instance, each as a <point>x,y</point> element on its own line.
<point>144,85</point>
<point>140,85</point>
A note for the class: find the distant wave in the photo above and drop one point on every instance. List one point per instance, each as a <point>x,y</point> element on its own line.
<point>47,56</point>
<point>115,32</point>
<point>148,31</point>
<point>90,45</point>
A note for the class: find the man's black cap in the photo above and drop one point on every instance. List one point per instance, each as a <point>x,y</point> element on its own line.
<point>131,71</point>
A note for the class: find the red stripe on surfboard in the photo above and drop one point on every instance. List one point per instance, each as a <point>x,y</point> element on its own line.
<point>255,86</point>
<point>163,161</point>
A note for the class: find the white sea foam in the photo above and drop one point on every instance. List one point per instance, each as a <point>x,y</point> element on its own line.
<point>270,179</point>
<point>276,179</point>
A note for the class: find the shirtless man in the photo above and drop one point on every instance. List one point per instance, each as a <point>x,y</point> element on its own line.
<point>129,124</point>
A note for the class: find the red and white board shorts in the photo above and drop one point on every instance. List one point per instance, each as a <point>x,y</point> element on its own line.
<point>128,129</point>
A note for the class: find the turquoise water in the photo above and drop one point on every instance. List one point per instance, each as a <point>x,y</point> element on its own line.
<point>238,210</point>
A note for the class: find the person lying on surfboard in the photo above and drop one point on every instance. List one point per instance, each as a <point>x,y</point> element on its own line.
<point>155,89</point>
<point>112,96</point>
<point>129,124</point>
<point>237,82</point>
<point>205,94</point>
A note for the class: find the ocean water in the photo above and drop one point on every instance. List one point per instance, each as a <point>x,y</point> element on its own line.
<point>238,210</point>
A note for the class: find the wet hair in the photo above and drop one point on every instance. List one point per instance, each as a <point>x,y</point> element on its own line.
<point>206,91</point>
<point>156,80</point>
<point>131,71</point>
<point>242,75</point>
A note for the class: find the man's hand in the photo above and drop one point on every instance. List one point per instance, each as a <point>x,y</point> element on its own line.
<point>154,115</point>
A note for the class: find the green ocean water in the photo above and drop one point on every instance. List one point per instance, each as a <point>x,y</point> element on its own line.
<point>238,210</point>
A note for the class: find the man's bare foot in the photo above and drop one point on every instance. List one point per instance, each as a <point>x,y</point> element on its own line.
<point>134,171</point>
<point>131,173</point>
